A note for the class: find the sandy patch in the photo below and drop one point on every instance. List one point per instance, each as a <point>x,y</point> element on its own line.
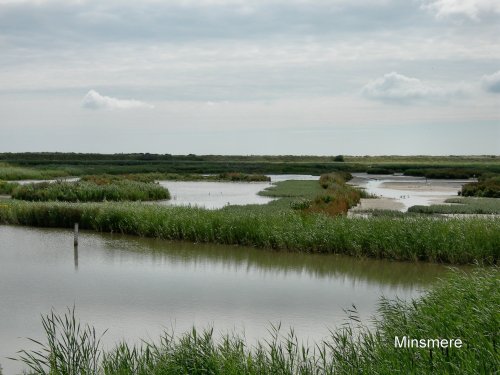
<point>434,186</point>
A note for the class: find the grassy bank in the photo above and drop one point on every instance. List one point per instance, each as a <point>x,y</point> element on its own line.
<point>96,190</point>
<point>461,206</point>
<point>418,238</point>
<point>462,307</point>
<point>330,195</point>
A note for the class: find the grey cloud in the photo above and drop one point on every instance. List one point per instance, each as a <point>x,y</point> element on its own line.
<point>59,22</point>
<point>94,100</point>
<point>472,9</point>
<point>396,87</point>
<point>491,82</point>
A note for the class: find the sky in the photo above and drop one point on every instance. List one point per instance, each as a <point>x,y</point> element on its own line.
<point>321,77</point>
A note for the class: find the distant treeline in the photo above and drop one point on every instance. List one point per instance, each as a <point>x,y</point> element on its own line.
<point>71,156</point>
<point>80,164</point>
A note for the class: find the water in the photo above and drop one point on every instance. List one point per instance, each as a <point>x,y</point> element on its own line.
<point>407,191</point>
<point>213,195</point>
<point>137,287</point>
<point>65,179</point>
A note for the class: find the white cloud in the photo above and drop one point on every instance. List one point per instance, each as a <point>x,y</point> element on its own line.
<point>491,82</point>
<point>94,100</point>
<point>473,9</point>
<point>399,88</point>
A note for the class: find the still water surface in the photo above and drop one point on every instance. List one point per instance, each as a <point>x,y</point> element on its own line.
<point>214,195</point>
<point>137,287</point>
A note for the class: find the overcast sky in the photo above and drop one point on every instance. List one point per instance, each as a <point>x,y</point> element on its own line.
<point>250,76</point>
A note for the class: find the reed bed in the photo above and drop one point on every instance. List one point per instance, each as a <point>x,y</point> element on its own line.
<point>91,191</point>
<point>7,187</point>
<point>449,240</point>
<point>152,177</point>
<point>467,205</point>
<point>330,195</point>
<point>10,172</point>
<point>464,306</point>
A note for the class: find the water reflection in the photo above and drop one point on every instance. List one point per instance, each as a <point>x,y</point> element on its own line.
<point>265,262</point>
<point>75,256</point>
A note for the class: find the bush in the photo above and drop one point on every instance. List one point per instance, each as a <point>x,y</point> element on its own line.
<point>485,187</point>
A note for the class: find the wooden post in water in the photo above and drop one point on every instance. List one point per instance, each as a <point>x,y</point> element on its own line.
<point>75,242</point>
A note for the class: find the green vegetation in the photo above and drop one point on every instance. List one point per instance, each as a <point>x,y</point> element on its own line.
<point>152,177</point>
<point>7,187</point>
<point>331,195</point>
<point>487,186</point>
<point>10,172</point>
<point>293,189</point>
<point>70,164</point>
<point>461,206</point>
<point>93,190</point>
<point>443,173</point>
<point>337,197</point>
<point>417,238</point>
<point>464,306</point>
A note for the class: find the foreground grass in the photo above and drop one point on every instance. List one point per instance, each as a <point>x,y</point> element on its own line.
<point>420,238</point>
<point>462,307</point>
<point>90,191</point>
<point>461,206</point>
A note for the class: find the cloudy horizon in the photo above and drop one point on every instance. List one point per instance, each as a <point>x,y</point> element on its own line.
<point>321,77</point>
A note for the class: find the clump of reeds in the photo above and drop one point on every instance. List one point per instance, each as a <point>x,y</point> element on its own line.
<point>7,187</point>
<point>461,206</point>
<point>93,190</point>
<point>71,348</point>
<point>337,196</point>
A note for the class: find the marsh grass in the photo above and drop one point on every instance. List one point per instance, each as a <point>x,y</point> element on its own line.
<point>152,177</point>
<point>462,306</point>
<point>330,194</point>
<point>71,348</point>
<point>96,190</point>
<point>450,240</point>
<point>307,189</point>
<point>9,172</point>
<point>7,187</point>
<point>467,205</point>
